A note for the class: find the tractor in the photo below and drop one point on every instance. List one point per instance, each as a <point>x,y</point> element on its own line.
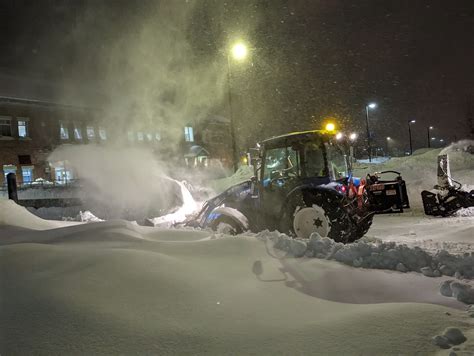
<point>303,184</point>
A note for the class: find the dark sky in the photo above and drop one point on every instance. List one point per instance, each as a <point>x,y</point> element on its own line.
<point>310,58</point>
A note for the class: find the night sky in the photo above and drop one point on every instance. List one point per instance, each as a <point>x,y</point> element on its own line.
<point>310,59</point>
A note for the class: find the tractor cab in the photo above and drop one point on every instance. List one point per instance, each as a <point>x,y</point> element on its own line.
<point>303,157</point>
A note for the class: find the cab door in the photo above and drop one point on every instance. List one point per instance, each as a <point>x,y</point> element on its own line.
<point>281,168</point>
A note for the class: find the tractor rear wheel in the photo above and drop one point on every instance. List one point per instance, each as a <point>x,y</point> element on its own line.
<point>323,213</point>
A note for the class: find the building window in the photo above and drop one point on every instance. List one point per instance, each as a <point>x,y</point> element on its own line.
<point>77,132</point>
<point>8,168</point>
<point>149,136</point>
<point>188,134</point>
<point>62,175</point>
<point>5,126</point>
<point>22,127</point>
<point>90,132</point>
<point>131,136</point>
<point>140,136</point>
<point>63,131</point>
<point>27,174</point>
<point>24,159</point>
<point>102,133</point>
<point>158,136</point>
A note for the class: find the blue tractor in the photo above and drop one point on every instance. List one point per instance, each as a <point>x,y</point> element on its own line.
<point>303,184</point>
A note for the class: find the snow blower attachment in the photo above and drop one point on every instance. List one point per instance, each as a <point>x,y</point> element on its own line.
<point>449,197</point>
<point>303,184</point>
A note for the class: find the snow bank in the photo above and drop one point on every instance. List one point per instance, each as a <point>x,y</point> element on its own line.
<point>376,254</point>
<point>12,214</point>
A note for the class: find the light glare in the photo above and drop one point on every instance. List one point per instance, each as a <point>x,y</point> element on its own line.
<point>330,127</point>
<point>372,105</point>
<point>239,51</point>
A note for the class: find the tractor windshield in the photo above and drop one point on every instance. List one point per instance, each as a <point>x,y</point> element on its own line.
<point>337,161</point>
<point>305,156</point>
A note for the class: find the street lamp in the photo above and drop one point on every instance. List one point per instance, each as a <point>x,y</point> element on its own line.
<point>238,52</point>
<point>367,107</point>
<point>388,142</point>
<point>352,139</point>
<point>428,129</point>
<point>409,133</point>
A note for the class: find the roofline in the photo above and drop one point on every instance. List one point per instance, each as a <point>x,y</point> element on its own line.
<point>15,100</point>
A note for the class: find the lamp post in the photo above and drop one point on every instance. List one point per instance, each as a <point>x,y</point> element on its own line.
<point>428,129</point>
<point>369,148</point>
<point>409,134</point>
<point>238,52</point>
<point>388,142</point>
<point>352,138</point>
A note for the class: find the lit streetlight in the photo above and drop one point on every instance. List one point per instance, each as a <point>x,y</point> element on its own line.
<point>389,139</point>
<point>409,134</point>
<point>238,52</point>
<point>367,107</point>
<point>352,139</point>
<point>428,129</point>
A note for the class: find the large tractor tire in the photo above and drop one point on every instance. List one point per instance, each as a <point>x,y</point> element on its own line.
<point>323,213</point>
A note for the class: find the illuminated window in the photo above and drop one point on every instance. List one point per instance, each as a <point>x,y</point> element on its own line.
<point>63,131</point>
<point>22,127</point>
<point>77,132</point>
<point>27,174</point>
<point>102,133</point>
<point>131,136</point>
<point>149,136</point>
<point>140,136</point>
<point>158,136</point>
<point>8,168</point>
<point>90,132</point>
<point>188,134</point>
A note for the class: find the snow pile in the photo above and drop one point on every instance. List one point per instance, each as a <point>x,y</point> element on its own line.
<point>87,216</point>
<point>12,214</point>
<point>451,336</point>
<point>378,255</point>
<point>461,291</point>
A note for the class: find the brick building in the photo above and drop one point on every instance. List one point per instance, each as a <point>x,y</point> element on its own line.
<point>32,126</point>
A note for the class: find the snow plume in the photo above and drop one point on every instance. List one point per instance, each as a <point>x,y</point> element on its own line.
<point>157,73</point>
<point>125,183</point>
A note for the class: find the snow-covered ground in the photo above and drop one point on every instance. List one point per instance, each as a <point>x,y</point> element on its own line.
<point>115,287</point>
